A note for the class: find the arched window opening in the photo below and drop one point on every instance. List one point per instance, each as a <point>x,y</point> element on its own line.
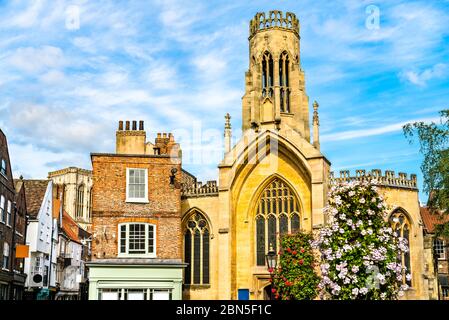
<point>284,82</point>
<point>79,203</point>
<point>197,249</point>
<point>267,74</point>
<point>277,214</point>
<point>401,225</point>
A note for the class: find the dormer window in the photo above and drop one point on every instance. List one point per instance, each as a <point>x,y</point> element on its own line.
<point>137,185</point>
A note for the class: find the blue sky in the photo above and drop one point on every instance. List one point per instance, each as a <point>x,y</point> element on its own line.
<point>179,65</point>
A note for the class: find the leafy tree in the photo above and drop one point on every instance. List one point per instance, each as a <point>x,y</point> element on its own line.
<point>296,279</point>
<point>359,249</point>
<point>434,143</point>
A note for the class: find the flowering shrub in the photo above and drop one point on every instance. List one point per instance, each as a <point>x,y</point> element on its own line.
<point>295,279</point>
<point>359,249</point>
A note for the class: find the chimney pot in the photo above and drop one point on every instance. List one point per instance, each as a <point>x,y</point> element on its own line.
<point>127,125</point>
<point>141,127</point>
<point>159,134</point>
<point>120,125</point>
<point>164,135</point>
<point>134,125</point>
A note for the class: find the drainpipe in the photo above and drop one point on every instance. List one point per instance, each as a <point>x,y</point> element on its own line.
<point>12,252</point>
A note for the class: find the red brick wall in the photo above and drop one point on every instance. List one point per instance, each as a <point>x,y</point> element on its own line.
<point>110,207</point>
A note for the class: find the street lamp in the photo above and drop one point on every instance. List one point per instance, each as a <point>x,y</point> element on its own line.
<point>272,260</point>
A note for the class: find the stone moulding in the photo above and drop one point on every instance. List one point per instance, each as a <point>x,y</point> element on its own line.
<point>274,19</point>
<point>389,179</point>
<point>198,189</point>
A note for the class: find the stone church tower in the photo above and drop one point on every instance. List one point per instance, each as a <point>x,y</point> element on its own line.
<point>273,181</point>
<point>275,90</point>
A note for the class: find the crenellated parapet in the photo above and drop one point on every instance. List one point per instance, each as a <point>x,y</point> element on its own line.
<point>274,19</point>
<point>198,189</point>
<point>388,179</point>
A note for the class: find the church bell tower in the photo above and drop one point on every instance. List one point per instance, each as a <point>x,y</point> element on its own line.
<point>275,96</point>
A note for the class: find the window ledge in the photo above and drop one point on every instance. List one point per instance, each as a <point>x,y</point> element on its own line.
<point>145,256</point>
<point>137,201</point>
<point>197,286</point>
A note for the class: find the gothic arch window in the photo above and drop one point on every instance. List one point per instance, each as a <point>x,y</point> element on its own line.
<point>79,202</point>
<point>284,82</point>
<point>277,213</point>
<point>401,225</point>
<point>196,249</point>
<point>267,74</point>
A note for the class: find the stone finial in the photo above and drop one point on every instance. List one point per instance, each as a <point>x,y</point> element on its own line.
<point>316,124</point>
<point>227,121</point>
<point>227,133</point>
<point>316,119</point>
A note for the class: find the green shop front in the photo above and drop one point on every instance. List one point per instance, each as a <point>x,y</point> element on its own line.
<point>135,279</point>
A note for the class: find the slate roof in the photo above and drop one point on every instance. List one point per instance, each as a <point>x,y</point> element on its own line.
<point>431,220</point>
<point>35,193</point>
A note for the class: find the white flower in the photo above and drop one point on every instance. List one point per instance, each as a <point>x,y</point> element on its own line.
<point>362,200</point>
<point>408,276</point>
<point>338,200</point>
<point>404,287</point>
<point>355,269</point>
<point>355,291</point>
<point>363,232</point>
<point>383,295</point>
<point>369,231</point>
<point>363,290</point>
<point>351,193</point>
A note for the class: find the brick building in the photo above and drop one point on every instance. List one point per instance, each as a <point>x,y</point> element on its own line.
<point>440,249</point>
<point>12,228</point>
<point>136,219</point>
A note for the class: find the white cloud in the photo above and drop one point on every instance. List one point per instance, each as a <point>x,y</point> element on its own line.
<point>420,79</point>
<point>34,60</point>
<point>53,77</point>
<point>58,129</point>
<point>27,18</point>
<point>355,134</point>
